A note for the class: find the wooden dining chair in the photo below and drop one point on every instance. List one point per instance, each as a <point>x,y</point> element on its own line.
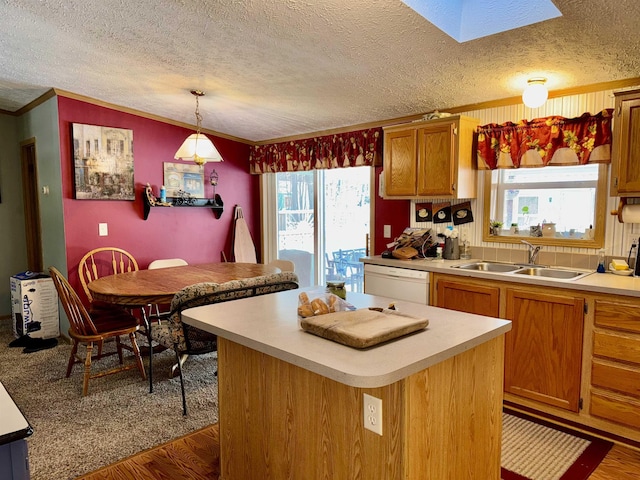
<point>166,263</point>
<point>104,261</point>
<point>104,322</point>
<point>155,312</point>
<point>187,340</point>
<point>283,265</point>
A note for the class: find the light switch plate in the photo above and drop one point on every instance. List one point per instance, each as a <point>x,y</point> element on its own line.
<point>103,229</point>
<point>387,231</point>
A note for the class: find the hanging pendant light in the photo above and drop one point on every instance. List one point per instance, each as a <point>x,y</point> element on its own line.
<point>197,147</point>
<point>535,93</point>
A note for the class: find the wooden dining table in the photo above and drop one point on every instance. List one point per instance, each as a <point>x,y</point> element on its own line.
<point>158,286</point>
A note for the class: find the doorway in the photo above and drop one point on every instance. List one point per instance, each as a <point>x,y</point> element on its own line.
<point>30,195</point>
<point>322,221</point>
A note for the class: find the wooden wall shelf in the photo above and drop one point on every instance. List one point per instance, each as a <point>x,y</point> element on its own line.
<point>215,204</point>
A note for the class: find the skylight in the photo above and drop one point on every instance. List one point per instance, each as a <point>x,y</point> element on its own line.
<point>465,20</point>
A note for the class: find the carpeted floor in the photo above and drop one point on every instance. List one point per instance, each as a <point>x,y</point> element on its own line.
<point>74,435</point>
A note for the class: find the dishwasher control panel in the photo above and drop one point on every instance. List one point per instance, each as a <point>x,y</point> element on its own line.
<point>396,272</point>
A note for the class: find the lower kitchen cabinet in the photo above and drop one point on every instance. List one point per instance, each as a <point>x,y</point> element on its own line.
<point>543,350</point>
<point>467,296</point>
<point>571,355</point>
<point>615,363</point>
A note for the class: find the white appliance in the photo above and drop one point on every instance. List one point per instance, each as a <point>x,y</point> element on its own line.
<point>397,283</point>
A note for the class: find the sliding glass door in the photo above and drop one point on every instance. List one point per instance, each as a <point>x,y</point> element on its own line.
<point>322,220</point>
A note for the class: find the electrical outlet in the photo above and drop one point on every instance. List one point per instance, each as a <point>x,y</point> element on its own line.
<point>632,239</point>
<point>372,414</point>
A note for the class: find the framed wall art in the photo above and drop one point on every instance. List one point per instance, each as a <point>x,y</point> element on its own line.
<point>103,162</point>
<point>187,177</point>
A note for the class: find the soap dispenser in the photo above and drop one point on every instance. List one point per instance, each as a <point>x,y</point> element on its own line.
<point>601,260</point>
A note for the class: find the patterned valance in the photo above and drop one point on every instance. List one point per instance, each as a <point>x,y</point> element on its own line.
<point>350,149</point>
<point>546,141</point>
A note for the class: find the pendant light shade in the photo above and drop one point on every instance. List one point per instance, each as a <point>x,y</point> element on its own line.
<point>535,93</point>
<point>197,147</point>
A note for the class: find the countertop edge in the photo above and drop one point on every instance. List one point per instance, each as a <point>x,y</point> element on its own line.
<point>351,379</point>
<point>606,283</point>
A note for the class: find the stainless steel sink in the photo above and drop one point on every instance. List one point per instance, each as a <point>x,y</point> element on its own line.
<point>519,269</point>
<point>548,272</point>
<point>489,267</point>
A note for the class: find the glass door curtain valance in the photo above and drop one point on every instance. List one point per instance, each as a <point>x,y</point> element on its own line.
<point>546,141</point>
<point>351,149</point>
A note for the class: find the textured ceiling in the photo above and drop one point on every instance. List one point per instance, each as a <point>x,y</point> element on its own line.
<point>277,68</point>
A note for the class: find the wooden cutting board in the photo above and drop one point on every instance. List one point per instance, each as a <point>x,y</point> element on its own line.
<point>244,250</point>
<point>362,328</point>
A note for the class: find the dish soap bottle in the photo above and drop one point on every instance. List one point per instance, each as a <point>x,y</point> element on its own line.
<point>601,268</point>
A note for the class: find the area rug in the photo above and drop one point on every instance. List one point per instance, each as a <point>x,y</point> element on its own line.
<point>74,435</point>
<point>534,450</point>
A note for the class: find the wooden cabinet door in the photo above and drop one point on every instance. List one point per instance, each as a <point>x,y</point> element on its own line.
<point>626,148</point>
<point>436,160</point>
<point>467,297</point>
<point>543,350</point>
<point>400,166</point>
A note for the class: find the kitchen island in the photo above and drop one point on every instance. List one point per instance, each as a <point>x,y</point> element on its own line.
<point>291,404</point>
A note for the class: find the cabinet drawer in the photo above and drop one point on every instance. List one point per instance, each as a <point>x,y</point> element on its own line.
<point>620,378</point>
<point>617,347</point>
<point>620,316</point>
<point>619,410</point>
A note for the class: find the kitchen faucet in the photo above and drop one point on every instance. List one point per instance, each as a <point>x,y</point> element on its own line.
<point>533,252</point>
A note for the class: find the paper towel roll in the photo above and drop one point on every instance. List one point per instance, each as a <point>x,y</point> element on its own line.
<point>631,214</point>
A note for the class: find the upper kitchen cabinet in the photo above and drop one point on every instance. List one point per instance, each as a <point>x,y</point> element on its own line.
<point>625,169</point>
<point>433,158</point>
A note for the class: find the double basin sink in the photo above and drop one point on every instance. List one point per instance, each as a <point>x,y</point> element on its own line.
<point>520,269</point>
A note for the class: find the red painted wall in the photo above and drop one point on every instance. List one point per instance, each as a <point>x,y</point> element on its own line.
<point>190,233</point>
<point>389,212</point>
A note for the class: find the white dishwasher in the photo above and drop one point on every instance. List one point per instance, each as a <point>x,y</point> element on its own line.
<point>397,283</point>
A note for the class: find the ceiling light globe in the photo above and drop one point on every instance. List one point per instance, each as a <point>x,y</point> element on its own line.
<point>535,94</point>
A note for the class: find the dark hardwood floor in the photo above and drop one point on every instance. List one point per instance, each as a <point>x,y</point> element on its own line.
<point>197,456</point>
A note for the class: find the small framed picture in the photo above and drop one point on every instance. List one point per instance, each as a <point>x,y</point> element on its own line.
<point>183,176</point>
<point>442,212</point>
<point>462,213</point>
<point>424,212</point>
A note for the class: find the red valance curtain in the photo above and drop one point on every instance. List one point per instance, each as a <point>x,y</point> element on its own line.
<point>350,149</point>
<point>546,141</point>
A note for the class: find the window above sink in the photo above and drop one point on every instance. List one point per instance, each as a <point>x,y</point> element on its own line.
<point>569,202</point>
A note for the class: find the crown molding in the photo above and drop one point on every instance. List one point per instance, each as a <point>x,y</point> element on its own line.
<point>595,87</point>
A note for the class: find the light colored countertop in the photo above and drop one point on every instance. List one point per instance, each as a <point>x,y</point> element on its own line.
<point>269,324</point>
<point>597,282</point>
<point>13,425</point>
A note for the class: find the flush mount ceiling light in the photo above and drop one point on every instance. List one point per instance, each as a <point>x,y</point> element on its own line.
<point>197,147</point>
<point>535,93</point>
